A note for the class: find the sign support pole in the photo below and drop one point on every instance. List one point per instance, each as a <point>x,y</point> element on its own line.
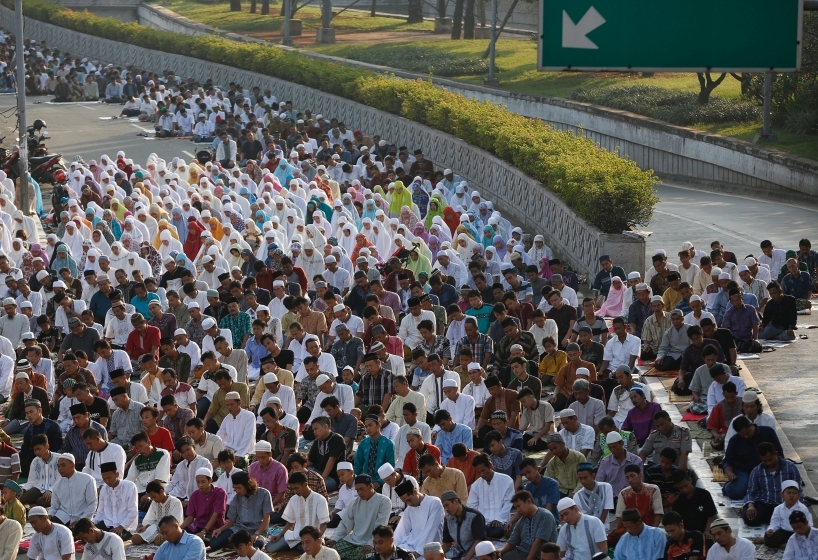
<point>492,80</point>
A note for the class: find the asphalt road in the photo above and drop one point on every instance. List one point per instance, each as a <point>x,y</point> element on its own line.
<point>784,376</point>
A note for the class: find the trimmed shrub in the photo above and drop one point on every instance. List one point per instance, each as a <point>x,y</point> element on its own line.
<point>607,191</point>
<point>424,60</point>
<point>676,107</point>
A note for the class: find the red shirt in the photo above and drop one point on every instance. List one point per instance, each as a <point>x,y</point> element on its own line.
<point>410,462</point>
<point>162,440</point>
<point>137,345</point>
<point>387,324</point>
<point>465,465</point>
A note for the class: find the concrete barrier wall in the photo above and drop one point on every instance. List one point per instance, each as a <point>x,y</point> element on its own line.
<point>516,195</point>
<point>673,152</point>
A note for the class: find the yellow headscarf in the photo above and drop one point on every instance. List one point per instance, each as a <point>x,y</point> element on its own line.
<point>164,225</point>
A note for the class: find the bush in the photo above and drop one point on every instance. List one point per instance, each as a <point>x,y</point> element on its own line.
<point>676,107</point>
<point>607,191</point>
<point>424,60</point>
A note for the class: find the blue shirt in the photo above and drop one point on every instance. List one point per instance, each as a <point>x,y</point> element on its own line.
<point>189,547</point>
<point>649,545</point>
<point>385,453</point>
<point>765,486</point>
<point>255,351</point>
<point>446,440</point>
<point>447,296</point>
<point>721,303</point>
<point>141,304</point>
<point>742,454</point>
<point>546,492</point>
<point>513,439</point>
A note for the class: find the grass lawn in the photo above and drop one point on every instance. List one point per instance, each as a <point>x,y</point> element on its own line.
<point>220,16</point>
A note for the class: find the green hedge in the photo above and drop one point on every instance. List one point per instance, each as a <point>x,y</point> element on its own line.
<point>607,191</point>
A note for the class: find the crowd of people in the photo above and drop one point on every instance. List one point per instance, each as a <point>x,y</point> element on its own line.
<point>225,346</point>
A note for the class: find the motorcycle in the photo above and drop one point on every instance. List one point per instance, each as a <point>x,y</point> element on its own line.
<point>36,147</point>
<point>41,164</point>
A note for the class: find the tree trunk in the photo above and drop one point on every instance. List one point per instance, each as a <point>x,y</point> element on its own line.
<point>415,11</point>
<point>481,13</point>
<point>468,20</point>
<point>707,85</point>
<point>374,8</point>
<point>252,6</point>
<point>235,5</point>
<point>502,26</point>
<point>744,79</point>
<point>457,19</point>
<point>265,7</point>
<point>441,8</point>
<point>326,13</point>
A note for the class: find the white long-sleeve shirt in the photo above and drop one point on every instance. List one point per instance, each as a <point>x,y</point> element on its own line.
<point>110,547</point>
<point>420,524</point>
<point>74,498</point>
<point>113,453</point>
<point>225,482</point>
<point>183,483</point>
<point>408,331</point>
<point>493,499</point>
<point>326,364</point>
<point>462,411</point>
<point>239,432</point>
<point>344,395</point>
<point>285,394</point>
<point>143,477</point>
<point>43,475</point>
<point>432,389</point>
<point>119,506</point>
<point>402,446</point>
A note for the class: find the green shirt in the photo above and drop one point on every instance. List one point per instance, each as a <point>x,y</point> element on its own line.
<point>16,511</point>
<point>565,473</point>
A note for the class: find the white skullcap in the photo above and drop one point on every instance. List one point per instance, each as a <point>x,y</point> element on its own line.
<point>67,457</point>
<point>565,503</point>
<point>264,447</point>
<point>583,371</point>
<point>338,307</point>
<point>485,548</point>
<point>193,305</point>
<point>21,375</point>
<point>204,471</point>
<point>273,400</point>
<point>694,297</point>
<point>278,283</point>
<point>321,379</point>
<point>344,466</point>
<point>385,470</point>
<point>613,437</point>
<point>473,366</point>
<point>743,268</point>
<point>208,323</point>
<point>232,396</point>
<point>270,378</point>
<point>790,484</point>
<point>449,383</point>
<point>750,261</point>
<point>179,332</point>
<point>634,275</point>
<point>39,510</point>
<point>724,276</point>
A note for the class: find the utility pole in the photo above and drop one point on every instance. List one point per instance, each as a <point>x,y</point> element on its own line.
<point>767,133</point>
<point>492,79</point>
<point>288,7</point>
<point>21,105</point>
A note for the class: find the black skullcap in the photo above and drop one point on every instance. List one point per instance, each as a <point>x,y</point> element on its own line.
<point>241,477</point>
<point>404,488</point>
<point>107,467</point>
<point>363,479</point>
<point>78,408</point>
<point>633,468</point>
<point>631,514</point>
<point>118,391</point>
<point>119,372</point>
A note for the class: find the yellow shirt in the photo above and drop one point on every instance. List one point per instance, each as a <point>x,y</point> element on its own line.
<point>450,479</point>
<point>671,298</point>
<point>552,364</point>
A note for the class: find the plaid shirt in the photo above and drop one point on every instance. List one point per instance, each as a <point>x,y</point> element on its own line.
<point>166,324</point>
<point>482,346</point>
<point>372,389</point>
<point>441,346</point>
<point>176,426</point>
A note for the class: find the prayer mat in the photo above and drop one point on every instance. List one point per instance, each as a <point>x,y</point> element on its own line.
<point>348,551</point>
<point>653,372</point>
<point>748,357</point>
<point>697,432</point>
<point>140,550</point>
<point>674,398</point>
<point>765,553</point>
<point>690,417</point>
<point>718,474</point>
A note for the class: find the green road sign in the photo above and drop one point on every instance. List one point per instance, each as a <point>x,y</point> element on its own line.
<point>670,35</point>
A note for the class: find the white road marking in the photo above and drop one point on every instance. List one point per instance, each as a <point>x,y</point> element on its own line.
<point>188,154</point>
<point>86,107</point>
<point>143,129</point>
<point>735,235</point>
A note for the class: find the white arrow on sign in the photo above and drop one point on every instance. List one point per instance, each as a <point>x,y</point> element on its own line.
<point>574,36</point>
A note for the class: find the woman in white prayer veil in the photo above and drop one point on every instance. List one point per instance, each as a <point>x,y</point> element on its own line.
<point>100,242</point>
<point>118,256</point>
<point>26,224</point>
<point>297,202</point>
<point>366,229</point>
<point>242,202</point>
<point>73,238</point>
<point>5,237</point>
<point>168,243</point>
<point>393,227</point>
<point>225,243</point>
<point>312,261</point>
<point>445,233</point>
<point>405,232</point>
<point>234,257</point>
<point>347,238</point>
<point>318,239</point>
<point>279,208</point>
<point>237,239</point>
<point>280,232</point>
<point>150,225</point>
<point>289,223</point>
<point>463,247</point>
<point>338,212</point>
<point>268,240</point>
<point>135,262</point>
<point>343,260</point>
<point>129,226</point>
<point>92,261</point>
<point>18,248</point>
<point>382,241</point>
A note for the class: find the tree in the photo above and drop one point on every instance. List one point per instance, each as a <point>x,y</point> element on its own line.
<point>468,20</point>
<point>457,19</point>
<point>265,7</point>
<point>235,5</point>
<point>707,85</point>
<point>252,6</point>
<point>502,26</point>
<point>415,11</point>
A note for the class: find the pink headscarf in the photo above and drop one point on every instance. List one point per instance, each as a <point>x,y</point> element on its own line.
<point>613,304</point>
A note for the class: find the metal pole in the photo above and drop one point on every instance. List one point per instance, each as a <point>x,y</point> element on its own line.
<point>21,105</point>
<point>492,79</point>
<point>287,15</point>
<point>768,89</point>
